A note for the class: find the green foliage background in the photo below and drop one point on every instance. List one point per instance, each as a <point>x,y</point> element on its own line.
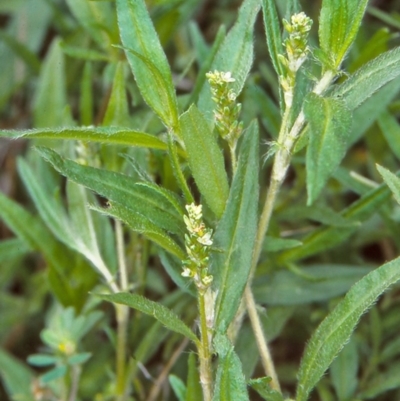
<point>63,72</point>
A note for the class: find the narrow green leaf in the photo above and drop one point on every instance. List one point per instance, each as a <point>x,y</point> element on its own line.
<point>392,181</point>
<point>369,78</point>
<point>178,387</point>
<point>54,374</point>
<point>194,391</point>
<point>86,100</point>
<point>324,238</point>
<point>343,372</point>
<point>339,23</point>
<point>79,359</point>
<point>235,233</point>
<point>152,202</point>
<point>230,383</point>
<point>330,124</point>
<point>16,377</point>
<point>273,33</point>
<point>390,128</point>
<point>108,135</point>
<point>22,51</point>
<point>13,248</point>
<point>42,360</point>
<point>263,388</point>
<point>117,112</point>
<point>141,224</point>
<point>158,311</point>
<point>273,244</point>
<point>317,284</point>
<point>82,53</point>
<point>50,96</point>
<point>336,329</point>
<point>147,60</point>
<point>205,159</point>
<point>235,54</point>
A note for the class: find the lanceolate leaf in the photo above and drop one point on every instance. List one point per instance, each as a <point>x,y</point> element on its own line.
<point>158,311</point>
<point>205,159</point>
<point>369,78</point>
<point>154,203</point>
<point>273,33</point>
<point>330,124</point>
<point>390,128</point>
<point>392,181</point>
<point>334,332</point>
<point>143,225</point>
<point>108,135</point>
<point>324,238</point>
<point>230,382</point>
<point>339,23</point>
<point>236,232</point>
<point>235,54</point>
<point>147,60</point>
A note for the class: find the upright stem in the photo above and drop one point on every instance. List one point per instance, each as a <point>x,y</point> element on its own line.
<point>122,312</point>
<point>204,352</point>
<point>286,140</point>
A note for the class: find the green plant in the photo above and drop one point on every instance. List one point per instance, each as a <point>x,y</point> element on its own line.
<point>184,188</point>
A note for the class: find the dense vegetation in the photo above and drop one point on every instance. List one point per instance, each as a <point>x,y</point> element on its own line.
<point>184,182</point>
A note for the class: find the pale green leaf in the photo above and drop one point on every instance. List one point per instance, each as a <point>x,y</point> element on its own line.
<point>323,238</point>
<point>86,100</point>
<point>330,125</point>
<point>230,383</point>
<point>147,60</point>
<point>117,112</point>
<point>273,33</point>
<point>369,78</point>
<point>194,391</point>
<point>263,388</point>
<point>50,100</point>
<point>205,159</point>
<point>339,22</point>
<point>178,387</point>
<point>152,202</point>
<point>392,181</point>
<point>107,135</point>
<point>235,54</point>
<point>235,233</point>
<point>344,370</point>
<point>390,128</point>
<point>139,223</point>
<point>16,377</point>
<point>335,330</point>
<point>164,315</point>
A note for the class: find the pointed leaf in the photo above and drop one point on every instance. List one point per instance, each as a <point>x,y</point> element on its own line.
<point>235,234</point>
<point>392,181</point>
<point>109,135</point>
<point>147,60</point>
<point>230,383</point>
<point>263,388</point>
<point>273,33</point>
<point>335,330</point>
<point>178,387</point>
<point>50,96</point>
<point>154,203</point>
<point>205,159</point>
<point>324,238</point>
<point>235,54</point>
<point>158,311</point>
<point>369,78</point>
<point>330,124</point>
<point>390,128</point>
<point>339,23</point>
<point>141,224</point>
<point>194,391</point>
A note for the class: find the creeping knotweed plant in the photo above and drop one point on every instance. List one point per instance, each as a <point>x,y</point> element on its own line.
<point>296,52</point>
<point>197,244</point>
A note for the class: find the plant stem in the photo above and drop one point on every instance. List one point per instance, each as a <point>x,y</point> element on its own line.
<point>204,352</point>
<point>286,140</point>
<point>122,312</point>
<point>265,355</point>
<point>76,373</point>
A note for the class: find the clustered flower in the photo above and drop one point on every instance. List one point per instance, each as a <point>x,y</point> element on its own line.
<point>197,243</point>
<point>296,52</point>
<point>227,110</point>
